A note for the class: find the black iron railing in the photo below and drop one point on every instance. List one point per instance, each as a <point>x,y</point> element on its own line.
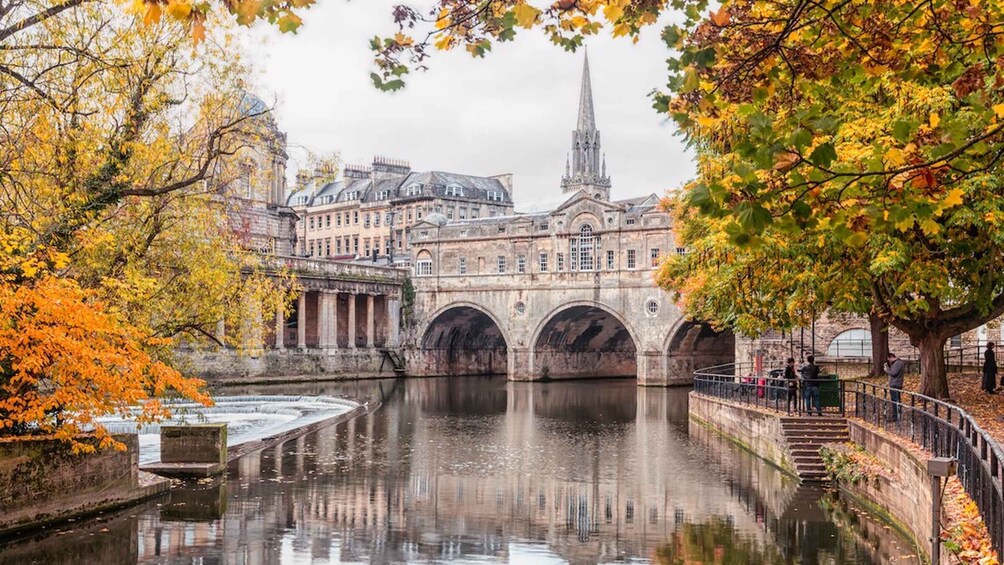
<point>941,428</point>
<point>767,388</point>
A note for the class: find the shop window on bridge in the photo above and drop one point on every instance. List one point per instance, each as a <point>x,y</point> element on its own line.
<point>543,262</point>
<point>462,265</point>
<point>521,264</point>
<point>583,250</point>
<point>851,343</point>
<point>501,264</point>
<point>423,268</point>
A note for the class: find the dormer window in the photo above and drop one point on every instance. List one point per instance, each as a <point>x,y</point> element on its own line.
<point>494,196</point>
<point>383,195</point>
<point>413,189</point>
<point>454,190</point>
<point>352,195</point>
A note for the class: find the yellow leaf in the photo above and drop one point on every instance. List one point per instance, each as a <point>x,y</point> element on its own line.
<point>707,121</point>
<point>152,14</point>
<point>953,198</point>
<point>198,31</point>
<point>443,21</point>
<point>621,29</point>
<point>526,15</point>
<point>895,157</point>
<point>930,227</point>
<point>613,12</point>
<point>999,110</point>
<point>179,10</point>
<point>721,17</point>
<point>934,120</point>
<point>443,42</point>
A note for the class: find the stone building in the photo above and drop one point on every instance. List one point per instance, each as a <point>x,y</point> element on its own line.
<point>564,293</point>
<point>370,211</point>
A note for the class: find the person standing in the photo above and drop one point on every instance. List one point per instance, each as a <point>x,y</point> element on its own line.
<point>810,386</point>
<point>791,380</point>
<point>895,367</point>
<point>989,369</point>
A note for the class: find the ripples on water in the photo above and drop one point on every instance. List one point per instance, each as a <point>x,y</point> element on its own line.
<point>483,471</point>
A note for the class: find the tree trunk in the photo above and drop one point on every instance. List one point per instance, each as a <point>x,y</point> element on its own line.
<point>880,344</point>
<point>933,378</point>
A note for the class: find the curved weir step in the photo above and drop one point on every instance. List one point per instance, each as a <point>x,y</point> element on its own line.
<point>804,436</point>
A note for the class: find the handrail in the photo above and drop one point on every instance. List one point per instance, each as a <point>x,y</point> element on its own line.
<point>935,425</point>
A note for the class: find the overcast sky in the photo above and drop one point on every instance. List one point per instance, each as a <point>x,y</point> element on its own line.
<point>512,112</point>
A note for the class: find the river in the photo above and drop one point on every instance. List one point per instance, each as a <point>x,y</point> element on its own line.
<point>478,470</point>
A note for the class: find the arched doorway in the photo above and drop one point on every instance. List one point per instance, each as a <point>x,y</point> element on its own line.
<point>695,345</point>
<point>464,340</point>
<point>584,341</point>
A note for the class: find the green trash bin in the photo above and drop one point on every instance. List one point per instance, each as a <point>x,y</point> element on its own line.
<point>829,391</point>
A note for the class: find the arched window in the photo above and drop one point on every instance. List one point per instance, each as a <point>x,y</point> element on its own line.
<point>851,343</point>
<point>583,250</point>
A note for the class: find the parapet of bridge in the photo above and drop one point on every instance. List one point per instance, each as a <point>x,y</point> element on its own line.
<point>342,325</point>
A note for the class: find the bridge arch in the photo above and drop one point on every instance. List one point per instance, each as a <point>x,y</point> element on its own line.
<point>464,338</point>
<point>584,339</point>
<point>692,344</point>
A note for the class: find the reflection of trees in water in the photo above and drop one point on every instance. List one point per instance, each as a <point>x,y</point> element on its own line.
<point>715,541</point>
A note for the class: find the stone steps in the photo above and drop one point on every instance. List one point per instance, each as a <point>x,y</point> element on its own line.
<point>804,436</point>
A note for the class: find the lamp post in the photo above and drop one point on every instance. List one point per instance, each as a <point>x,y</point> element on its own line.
<point>937,468</point>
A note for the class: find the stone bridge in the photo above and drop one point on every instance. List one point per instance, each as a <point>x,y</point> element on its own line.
<point>556,325</point>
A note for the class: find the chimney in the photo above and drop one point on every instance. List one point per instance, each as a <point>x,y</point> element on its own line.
<point>384,168</point>
<point>506,180</point>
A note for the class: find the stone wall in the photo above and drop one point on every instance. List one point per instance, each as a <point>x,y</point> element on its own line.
<point>445,362</point>
<point>754,430</point>
<point>42,481</point>
<point>905,499</point>
<point>270,365</point>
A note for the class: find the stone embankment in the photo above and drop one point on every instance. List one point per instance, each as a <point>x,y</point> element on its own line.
<point>901,495</point>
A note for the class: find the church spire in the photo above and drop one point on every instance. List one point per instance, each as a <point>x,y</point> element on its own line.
<point>588,171</point>
<point>587,120</point>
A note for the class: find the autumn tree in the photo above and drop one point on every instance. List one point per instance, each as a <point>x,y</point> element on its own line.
<point>870,128</point>
<point>118,155</point>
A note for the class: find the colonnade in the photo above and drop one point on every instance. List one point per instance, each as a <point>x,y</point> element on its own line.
<point>333,320</point>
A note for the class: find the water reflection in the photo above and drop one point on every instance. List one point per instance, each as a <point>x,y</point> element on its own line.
<point>478,470</point>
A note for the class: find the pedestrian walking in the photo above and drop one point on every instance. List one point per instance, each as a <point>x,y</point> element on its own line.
<point>791,380</point>
<point>810,386</point>
<point>894,367</point>
<point>989,369</point>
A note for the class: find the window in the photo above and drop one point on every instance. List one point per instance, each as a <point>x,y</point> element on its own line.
<point>418,213</point>
<point>610,259</point>
<point>311,248</point>
<point>583,249</point>
<point>366,246</point>
<point>355,244</point>
<point>355,217</point>
<point>376,220</point>
<point>454,190</point>
<point>449,213</point>
<point>366,220</point>
<point>327,220</point>
<point>501,264</point>
<point>652,307</point>
<point>631,259</point>
<point>388,218</point>
<point>475,213</point>
<point>327,247</point>
<point>311,222</point>
<point>851,343</point>
<point>338,219</point>
<point>494,196</point>
<point>386,245</point>
<point>654,255</point>
<point>521,264</point>
<point>681,250</point>
<point>560,260</point>
<point>462,265</point>
<point>543,262</point>
<point>629,221</point>
<point>338,246</point>
<point>383,195</point>
<point>542,227</point>
<point>352,195</point>
<point>413,190</point>
<point>423,267</point>
<point>463,213</point>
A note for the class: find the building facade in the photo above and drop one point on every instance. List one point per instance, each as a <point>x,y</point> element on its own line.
<point>566,293</point>
<point>370,211</point>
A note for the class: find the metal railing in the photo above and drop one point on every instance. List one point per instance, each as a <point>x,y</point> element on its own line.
<point>939,427</point>
<point>771,390</point>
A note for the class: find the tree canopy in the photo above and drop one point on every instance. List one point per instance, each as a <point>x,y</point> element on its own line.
<point>118,150</point>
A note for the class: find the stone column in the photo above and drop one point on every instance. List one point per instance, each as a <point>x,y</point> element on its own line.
<point>334,320</point>
<point>221,332</point>
<point>323,320</point>
<point>370,321</point>
<point>393,322</point>
<point>520,364</point>
<point>301,321</point>
<point>352,321</point>
<point>280,328</point>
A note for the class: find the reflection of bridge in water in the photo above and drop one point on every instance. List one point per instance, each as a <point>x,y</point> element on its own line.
<point>463,468</point>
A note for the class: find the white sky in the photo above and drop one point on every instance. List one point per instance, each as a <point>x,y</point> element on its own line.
<point>510,112</point>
